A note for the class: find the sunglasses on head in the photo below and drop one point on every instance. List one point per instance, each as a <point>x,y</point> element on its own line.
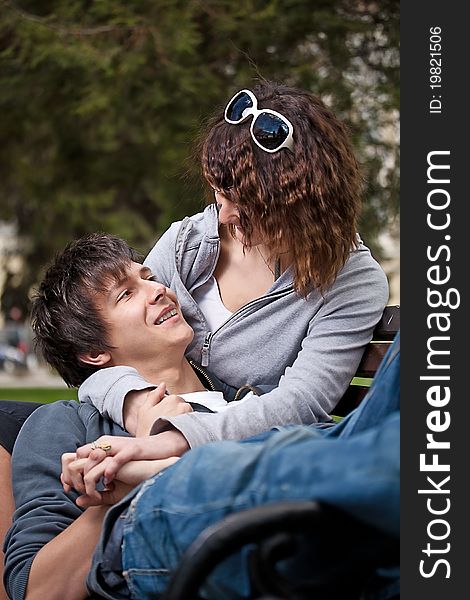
<point>270,130</point>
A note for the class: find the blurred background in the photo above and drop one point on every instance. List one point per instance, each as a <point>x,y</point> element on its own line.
<point>101,102</point>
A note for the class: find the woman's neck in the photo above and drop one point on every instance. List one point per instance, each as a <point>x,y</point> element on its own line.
<point>253,266</point>
<point>258,254</point>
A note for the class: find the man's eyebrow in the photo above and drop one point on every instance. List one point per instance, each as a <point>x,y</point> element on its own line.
<point>117,283</point>
<point>145,271</point>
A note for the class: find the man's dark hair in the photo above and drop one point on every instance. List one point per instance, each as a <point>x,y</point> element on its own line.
<point>65,319</point>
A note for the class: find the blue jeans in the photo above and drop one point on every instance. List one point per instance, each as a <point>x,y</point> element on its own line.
<point>353,465</point>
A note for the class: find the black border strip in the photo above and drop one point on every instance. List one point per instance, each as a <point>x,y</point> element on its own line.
<point>434,120</point>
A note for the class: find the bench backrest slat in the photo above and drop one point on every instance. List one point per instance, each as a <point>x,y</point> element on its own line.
<point>382,338</point>
<point>388,325</point>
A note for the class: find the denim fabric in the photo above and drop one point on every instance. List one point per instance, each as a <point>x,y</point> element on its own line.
<point>105,578</point>
<point>353,466</point>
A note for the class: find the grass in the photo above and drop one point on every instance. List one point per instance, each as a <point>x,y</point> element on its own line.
<point>44,395</point>
<point>47,395</point>
<point>363,381</point>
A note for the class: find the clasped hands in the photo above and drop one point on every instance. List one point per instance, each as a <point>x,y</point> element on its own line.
<point>104,471</point>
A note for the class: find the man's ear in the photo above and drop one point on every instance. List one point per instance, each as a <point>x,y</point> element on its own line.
<point>97,359</point>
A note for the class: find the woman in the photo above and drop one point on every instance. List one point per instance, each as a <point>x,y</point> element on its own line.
<point>272,277</point>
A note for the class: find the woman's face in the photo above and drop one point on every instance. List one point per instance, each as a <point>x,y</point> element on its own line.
<point>229,215</point>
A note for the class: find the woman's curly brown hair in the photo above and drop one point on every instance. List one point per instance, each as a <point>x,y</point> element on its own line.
<point>306,201</point>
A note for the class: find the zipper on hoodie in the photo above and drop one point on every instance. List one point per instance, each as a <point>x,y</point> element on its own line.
<point>205,350</point>
<point>178,257</point>
<point>197,368</point>
<point>206,346</point>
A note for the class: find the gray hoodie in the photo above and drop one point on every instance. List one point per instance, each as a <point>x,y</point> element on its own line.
<point>305,351</point>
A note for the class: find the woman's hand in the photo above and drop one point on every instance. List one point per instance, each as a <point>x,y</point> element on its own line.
<point>119,451</point>
<point>92,455</point>
<point>143,407</point>
<point>86,483</point>
<point>155,407</point>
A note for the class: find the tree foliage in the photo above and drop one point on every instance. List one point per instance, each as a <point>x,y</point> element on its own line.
<point>100,101</point>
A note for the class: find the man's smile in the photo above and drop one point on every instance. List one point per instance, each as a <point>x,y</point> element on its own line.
<point>166,314</point>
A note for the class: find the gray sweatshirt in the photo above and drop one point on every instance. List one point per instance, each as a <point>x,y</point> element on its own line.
<point>43,509</point>
<point>305,351</point>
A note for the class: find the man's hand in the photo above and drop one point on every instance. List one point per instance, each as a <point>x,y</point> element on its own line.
<point>142,408</point>
<point>131,474</point>
<point>122,450</point>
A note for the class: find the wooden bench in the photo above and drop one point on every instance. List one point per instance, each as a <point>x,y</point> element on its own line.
<point>271,530</point>
<point>382,338</point>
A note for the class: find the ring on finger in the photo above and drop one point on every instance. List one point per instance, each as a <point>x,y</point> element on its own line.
<point>102,446</point>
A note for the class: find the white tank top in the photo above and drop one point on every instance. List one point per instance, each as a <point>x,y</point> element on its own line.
<point>210,303</point>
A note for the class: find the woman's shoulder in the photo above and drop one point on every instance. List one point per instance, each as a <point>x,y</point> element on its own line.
<point>190,231</point>
<point>187,250</point>
<point>204,224</point>
<point>360,272</point>
<point>361,256</point>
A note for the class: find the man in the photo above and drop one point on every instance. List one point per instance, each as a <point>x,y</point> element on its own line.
<point>97,306</point>
<point>77,340</point>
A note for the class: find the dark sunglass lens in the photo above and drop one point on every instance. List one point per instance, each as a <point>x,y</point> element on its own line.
<point>237,106</point>
<point>270,131</point>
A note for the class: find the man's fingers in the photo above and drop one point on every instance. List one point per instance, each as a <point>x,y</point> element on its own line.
<point>112,494</point>
<point>86,501</point>
<point>65,485</point>
<point>65,477</point>
<point>75,475</point>
<point>84,451</point>
<point>95,457</point>
<point>93,477</point>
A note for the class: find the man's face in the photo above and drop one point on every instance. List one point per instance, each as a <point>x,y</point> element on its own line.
<point>143,320</point>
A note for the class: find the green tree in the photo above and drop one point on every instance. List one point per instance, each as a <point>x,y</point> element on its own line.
<point>100,102</point>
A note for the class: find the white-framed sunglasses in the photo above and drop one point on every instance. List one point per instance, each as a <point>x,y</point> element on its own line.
<point>270,130</point>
